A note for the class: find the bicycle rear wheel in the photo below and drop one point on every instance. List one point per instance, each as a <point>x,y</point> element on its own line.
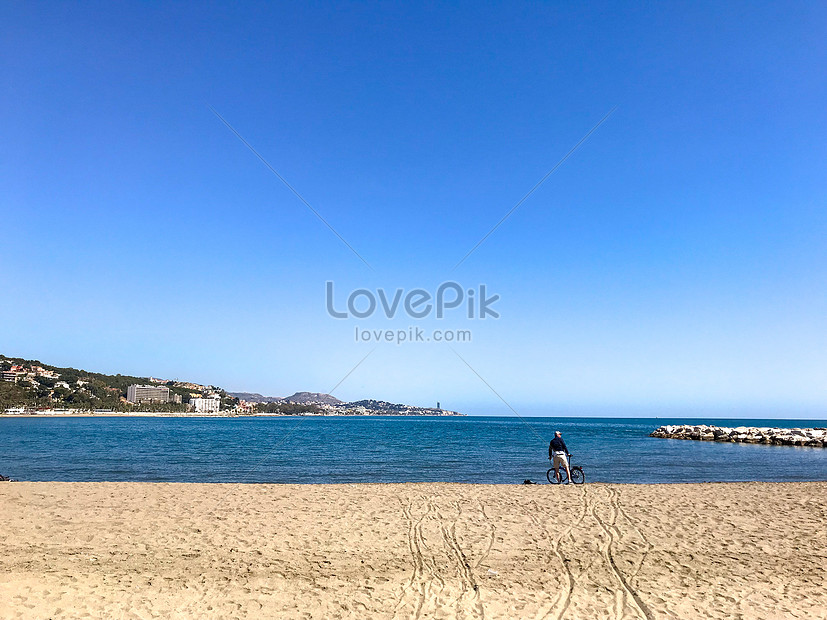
<point>577,475</point>
<point>553,479</point>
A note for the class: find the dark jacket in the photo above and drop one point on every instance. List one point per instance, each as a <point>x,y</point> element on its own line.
<point>557,445</point>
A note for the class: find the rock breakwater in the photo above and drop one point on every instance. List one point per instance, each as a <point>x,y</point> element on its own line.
<point>814,437</point>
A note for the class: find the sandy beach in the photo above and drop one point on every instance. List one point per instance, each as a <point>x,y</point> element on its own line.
<point>141,550</point>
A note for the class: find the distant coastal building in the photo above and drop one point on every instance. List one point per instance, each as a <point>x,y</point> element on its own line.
<point>14,373</point>
<point>42,372</point>
<point>206,405</point>
<point>139,394</point>
<point>18,371</point>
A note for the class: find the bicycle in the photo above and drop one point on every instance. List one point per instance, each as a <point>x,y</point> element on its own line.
<point>577,475</point>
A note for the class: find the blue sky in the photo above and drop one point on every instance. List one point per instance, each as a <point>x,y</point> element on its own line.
<point>675,261</point>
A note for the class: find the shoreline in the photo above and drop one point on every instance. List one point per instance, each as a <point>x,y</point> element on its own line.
<point>12,416</point>
<point>215,550</point>
<point>166,414</point>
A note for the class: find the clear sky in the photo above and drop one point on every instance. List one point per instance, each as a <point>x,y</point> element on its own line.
<point>677,259</point>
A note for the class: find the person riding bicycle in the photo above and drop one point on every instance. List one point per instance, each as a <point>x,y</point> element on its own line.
<point>558,453</point>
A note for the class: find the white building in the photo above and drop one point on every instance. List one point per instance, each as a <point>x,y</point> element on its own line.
<point>206,405</point>
<point>147,394</point>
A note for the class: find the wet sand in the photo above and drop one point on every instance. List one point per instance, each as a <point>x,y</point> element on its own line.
<point>142,550</point>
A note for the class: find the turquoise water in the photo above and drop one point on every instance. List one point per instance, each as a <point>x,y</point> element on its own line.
<point>385,449</point>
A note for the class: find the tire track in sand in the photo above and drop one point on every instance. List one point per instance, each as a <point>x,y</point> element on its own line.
<point>468,602</point>
<point>558,607</point>
<point>417,592</point>
<point>615,499</point>
<point>626,593</point>
<point>492,530</point>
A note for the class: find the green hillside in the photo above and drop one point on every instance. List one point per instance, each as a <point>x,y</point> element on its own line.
<point>35,386</point>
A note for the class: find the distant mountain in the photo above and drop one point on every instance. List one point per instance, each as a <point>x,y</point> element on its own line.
<point>383,407</point>
<point>301,398</point>
<point>310,404</point>
<point>314,398</point>
<point>253,397</point>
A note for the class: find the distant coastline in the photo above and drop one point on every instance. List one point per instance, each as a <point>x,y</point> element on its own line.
<point>30,388</point>
<point>78,413</point>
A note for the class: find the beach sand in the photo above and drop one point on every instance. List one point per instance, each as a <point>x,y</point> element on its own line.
<point>141,550</point>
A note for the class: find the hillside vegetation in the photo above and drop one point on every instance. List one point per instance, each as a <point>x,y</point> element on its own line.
<point>41,386</point>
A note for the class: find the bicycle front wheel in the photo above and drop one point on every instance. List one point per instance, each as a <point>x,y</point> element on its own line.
<point>553,479</point>
<point>577,476</point>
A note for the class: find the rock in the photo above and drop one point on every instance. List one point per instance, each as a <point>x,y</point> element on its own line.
<point>811,437</point>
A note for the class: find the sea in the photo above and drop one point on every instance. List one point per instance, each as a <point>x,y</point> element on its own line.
<point>491,450</point>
